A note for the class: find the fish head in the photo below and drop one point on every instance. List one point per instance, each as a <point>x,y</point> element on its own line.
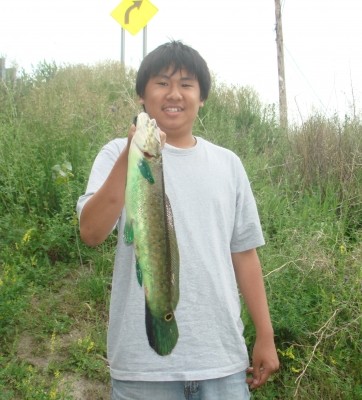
<point>147,136</point>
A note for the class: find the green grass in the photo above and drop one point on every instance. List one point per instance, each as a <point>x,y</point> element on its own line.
<point>54,291</point>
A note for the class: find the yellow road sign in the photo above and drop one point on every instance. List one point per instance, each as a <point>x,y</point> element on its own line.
<point>134,15</point>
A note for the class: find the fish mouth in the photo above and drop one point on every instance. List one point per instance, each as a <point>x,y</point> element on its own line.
<point>145,153</point>
<point>148,155</point>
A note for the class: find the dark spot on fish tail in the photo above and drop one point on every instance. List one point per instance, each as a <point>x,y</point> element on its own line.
<point>162,335</point>
<point>145,170</point>
<point>168,317</point>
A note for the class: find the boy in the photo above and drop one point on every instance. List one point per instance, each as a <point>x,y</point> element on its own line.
<point>218,231</point>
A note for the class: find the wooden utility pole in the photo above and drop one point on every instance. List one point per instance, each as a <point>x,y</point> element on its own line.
<point>283,110</point>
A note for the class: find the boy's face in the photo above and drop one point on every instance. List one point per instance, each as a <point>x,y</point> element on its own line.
<point>173,100</point>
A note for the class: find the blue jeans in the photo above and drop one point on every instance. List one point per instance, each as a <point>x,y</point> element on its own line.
<point>233,387</point>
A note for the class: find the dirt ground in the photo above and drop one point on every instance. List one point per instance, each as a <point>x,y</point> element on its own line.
<point>80,388</point>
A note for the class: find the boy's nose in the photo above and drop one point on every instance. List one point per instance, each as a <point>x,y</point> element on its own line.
<point>174,93</point>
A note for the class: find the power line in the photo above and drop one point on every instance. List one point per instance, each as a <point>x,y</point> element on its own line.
<point>305,78</point>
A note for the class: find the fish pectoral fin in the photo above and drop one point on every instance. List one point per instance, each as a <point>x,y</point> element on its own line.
<point>145,170</point>
<point>128,234</point>
<point>139,272</point>
<point>162,332</point>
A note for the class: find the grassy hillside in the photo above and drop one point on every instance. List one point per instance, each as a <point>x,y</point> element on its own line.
<point>54,291</point>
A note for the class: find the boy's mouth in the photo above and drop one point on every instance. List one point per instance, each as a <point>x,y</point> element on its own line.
<point>172,109</point>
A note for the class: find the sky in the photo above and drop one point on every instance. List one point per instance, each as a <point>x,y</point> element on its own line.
<point>322,43</point>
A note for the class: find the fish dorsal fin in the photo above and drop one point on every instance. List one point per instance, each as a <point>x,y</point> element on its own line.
<point>174,253</point>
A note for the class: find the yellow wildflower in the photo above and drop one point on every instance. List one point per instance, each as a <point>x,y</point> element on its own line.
<point>332,360</point>
<point>52,342</point>
<point>288,353</point>
<point>90,346</point>
<point>27,235</point>
<point>34,261</point>
<point>342,249</point>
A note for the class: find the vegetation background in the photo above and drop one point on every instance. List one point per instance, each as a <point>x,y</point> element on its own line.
<point>54,291</point>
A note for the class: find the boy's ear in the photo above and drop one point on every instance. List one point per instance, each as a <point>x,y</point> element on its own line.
<point>142,103</point>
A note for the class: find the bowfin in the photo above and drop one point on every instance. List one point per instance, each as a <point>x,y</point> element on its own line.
<point>145,170</point>
<point>162,332</point>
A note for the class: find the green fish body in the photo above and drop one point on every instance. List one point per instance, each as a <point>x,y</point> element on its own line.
<point>150,227</point>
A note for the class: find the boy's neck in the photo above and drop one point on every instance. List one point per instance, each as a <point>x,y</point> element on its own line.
<point>184,142</point>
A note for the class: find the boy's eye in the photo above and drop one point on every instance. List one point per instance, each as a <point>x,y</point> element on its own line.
<point>161,83</point>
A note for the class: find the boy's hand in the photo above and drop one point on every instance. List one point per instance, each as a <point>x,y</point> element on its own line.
<point>264,362</point>
<point>163,138</point>
<point>131,132</point>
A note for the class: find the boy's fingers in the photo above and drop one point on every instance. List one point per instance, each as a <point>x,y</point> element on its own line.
<point>131,131</point>
<point>249,375</point>
<point>258,378</point>
<point>162,138</point>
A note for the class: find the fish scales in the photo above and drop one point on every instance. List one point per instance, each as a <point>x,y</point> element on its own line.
<point>150,227</point>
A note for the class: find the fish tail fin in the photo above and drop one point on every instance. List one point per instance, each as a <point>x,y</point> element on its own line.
<point>162,332</point>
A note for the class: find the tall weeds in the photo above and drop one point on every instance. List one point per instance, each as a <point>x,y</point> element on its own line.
<point>307,185</point>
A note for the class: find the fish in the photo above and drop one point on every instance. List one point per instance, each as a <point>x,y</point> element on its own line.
<point>150,228</point>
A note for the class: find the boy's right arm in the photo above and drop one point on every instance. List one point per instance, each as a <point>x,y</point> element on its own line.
<point>102,210</point>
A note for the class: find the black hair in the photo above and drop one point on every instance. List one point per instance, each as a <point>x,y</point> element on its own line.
<point>179,56</point>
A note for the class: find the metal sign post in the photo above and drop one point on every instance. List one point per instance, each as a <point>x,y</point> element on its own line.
<point>123,50</point>
<point>144,41</point>
<point>133,16</point>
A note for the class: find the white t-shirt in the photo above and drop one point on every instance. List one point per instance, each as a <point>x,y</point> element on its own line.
<point>215,214</point>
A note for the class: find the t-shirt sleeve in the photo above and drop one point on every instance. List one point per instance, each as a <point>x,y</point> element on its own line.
<point>247,233</point>
<point>101,168</point>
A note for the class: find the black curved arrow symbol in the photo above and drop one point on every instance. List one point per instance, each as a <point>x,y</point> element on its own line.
<point>136,4</point>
